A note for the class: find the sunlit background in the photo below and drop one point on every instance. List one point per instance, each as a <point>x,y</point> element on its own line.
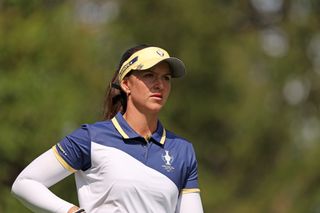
<point>249,102</point>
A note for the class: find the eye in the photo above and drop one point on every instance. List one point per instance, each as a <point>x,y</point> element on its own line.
<point>148,75</point>
<point>167,77</point>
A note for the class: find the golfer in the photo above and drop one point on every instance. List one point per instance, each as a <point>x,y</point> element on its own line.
<point>128,162</point>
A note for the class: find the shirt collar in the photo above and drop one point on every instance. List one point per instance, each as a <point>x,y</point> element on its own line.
<point>127,132</point>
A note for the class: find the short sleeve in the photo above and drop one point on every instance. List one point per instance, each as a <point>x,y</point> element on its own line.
<point>73,152</point>
<point>192,184</point>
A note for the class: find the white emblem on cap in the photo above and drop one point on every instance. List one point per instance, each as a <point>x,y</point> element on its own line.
<point>160,53</point>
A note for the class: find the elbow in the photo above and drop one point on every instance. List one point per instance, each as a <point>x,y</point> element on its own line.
<point>15,187</point>
<point>20,186</point>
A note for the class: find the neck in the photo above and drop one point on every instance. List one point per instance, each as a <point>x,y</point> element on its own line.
<point>144,124</point>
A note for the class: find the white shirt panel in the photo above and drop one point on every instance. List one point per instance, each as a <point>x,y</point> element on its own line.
<point>117,182</point>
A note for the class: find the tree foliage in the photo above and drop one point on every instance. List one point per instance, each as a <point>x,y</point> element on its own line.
<point>249,102</point>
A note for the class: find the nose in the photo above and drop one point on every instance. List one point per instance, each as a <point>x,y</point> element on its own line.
<point>158,82</point>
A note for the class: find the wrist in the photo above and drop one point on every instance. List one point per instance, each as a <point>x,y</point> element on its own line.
<point>76,209</point>
<point>80,211</point>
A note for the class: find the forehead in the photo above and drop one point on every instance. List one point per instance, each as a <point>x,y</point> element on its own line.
<point>161,68</point>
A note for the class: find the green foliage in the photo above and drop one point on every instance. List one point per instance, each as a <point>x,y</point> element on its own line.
<point>251,112</point>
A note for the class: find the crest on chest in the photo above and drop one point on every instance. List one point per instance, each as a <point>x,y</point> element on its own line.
<point>167,159</point>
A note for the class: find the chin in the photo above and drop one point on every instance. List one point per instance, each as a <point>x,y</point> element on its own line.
<point>154,108</point>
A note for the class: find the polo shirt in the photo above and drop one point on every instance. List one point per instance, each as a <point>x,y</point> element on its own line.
<point>117,170</point>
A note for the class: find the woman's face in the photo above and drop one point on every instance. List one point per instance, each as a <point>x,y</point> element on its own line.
<point>148,90</point>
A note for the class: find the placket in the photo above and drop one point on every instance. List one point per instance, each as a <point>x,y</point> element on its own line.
<point>146,148</point>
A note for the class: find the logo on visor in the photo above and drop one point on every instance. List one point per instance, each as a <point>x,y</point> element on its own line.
<point>168,159</point>
<point>160,53</point>
<point>128,65</point>
<point>139,67</point>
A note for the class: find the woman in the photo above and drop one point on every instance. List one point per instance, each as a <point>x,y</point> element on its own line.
<point>129,162</point>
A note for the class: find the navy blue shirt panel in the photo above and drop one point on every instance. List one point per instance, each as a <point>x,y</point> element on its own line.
<point>174,159</point>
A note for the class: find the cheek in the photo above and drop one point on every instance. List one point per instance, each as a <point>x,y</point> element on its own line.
<point>168,89</point>
<point>136,86</point>
<point>168,84</point>
<point>139,91</point>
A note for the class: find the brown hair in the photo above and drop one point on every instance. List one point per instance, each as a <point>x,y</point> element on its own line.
<point>116,99</point>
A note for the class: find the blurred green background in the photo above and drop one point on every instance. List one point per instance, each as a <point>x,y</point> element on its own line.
<point>249,102</point>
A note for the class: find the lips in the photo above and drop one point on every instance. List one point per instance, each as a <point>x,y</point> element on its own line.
<point>156,95</point>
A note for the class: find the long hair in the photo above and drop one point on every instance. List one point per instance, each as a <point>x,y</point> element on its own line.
<point>115,98</point>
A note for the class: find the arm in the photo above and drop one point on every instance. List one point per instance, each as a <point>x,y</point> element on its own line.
<point>189,203</point>
<point>31,186</point>
<point>189,198</point>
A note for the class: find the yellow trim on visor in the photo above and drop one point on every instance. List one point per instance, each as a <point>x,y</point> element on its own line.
<point>62,161</point>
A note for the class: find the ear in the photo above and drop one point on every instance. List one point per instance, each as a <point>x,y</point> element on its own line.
<point>124,84</point>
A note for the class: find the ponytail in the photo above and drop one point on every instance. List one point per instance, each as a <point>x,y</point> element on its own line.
<point>116,99</point>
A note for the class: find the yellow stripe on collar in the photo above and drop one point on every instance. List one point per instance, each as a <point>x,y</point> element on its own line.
<point>163,137</point>
<point>118,127</point>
